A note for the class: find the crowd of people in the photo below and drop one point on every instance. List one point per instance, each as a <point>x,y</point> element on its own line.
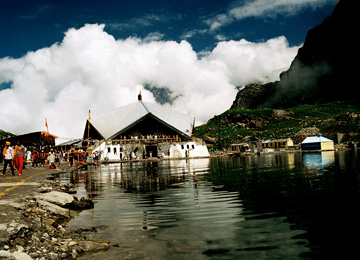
<point>75,157</point>
<point>18,157</point>
<point>149,137</point>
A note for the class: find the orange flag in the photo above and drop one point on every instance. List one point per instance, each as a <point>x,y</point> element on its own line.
<point>46,124</point>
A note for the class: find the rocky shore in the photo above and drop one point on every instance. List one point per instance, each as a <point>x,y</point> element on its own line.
<point>34,226</point>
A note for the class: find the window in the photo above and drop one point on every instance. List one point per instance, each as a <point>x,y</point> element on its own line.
<point>109,149</point>
<point>182,147</point>
<point>193,146</point>
<point>114,150</point>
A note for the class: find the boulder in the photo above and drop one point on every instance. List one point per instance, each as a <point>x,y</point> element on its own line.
<point>66,200</point>
<point>92,247</point>
<point>54,209</point>
<point>56,197</point>
<point>21,256</point>
<point>4,254</point>
<point>83,203</point>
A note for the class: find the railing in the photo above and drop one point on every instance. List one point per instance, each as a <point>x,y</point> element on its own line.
<point>144,140</point>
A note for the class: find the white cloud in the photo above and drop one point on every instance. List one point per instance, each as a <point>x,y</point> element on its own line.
<point>89,69</point>
<point>153,36</point>
<point>249,62</point>
<point>161,16</point>
<point>264,9</point>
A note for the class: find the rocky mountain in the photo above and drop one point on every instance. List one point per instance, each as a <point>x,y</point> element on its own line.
<point>323,71</point>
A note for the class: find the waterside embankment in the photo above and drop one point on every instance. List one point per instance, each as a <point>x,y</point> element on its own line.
<point>34,210</point>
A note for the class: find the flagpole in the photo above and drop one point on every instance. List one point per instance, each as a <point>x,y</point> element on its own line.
<point>87,149</point>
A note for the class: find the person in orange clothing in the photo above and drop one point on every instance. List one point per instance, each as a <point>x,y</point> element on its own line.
<point>71,157</point>
<point>42,158</point>
<point>8,154</point>
<point>19,157</point>
<point>35,157</point>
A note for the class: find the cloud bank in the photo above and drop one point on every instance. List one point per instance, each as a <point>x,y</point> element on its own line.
<point>91,70</point>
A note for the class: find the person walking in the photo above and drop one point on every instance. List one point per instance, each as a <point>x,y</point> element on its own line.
<point>58,157</point>
<point>52,159</point>
<point>8,153</point>
<point>19,157</point>
<point>28,156</point>
<point>35,157</point>
<point>42,158</point>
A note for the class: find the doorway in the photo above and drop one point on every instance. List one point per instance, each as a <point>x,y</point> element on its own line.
<point>151,149</point>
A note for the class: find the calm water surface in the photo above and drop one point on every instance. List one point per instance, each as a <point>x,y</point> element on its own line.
<point>274,206</point>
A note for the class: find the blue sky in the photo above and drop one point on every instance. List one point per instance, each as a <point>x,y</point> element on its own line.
<point>60,59</point>
<point>30,25</point>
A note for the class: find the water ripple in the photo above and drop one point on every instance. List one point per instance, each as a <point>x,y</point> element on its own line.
<point>266,207</point>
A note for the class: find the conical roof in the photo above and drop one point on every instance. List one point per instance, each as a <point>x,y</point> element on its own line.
<point>115,122</point>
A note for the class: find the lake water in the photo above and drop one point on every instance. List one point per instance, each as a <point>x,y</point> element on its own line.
<point>273,206</point>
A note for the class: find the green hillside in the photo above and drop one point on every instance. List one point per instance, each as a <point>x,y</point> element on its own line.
<point>240,125</point>
<point>4,134</point>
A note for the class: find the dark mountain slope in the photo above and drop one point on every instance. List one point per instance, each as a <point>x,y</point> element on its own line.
<point>323,71</point>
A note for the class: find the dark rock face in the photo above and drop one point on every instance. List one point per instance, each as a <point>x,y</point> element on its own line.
<point>252,95</point>
<point>323,70</point>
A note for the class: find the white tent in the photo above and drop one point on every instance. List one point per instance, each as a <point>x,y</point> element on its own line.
<point>113,123</point>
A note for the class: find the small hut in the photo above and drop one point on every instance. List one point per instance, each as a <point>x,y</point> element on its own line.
<point>236,149</point>
<point>317,143</point>
<point>278,143</point>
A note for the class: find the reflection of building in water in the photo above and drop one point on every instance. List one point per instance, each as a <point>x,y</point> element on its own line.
<point>291,160</point>
<point>143,130</point>
<point>318,161</point>
<point>140,176</point>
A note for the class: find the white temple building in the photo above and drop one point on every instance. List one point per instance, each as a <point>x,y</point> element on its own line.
<point>143,130</point>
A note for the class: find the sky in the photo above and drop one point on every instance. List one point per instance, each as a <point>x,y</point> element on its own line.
<point>59,59</point>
